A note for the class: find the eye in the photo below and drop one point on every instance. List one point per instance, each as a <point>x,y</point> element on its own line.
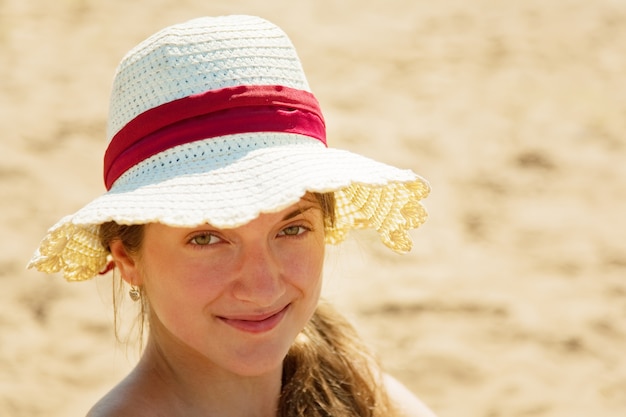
<point>204,239</point>
<point>293,231</point>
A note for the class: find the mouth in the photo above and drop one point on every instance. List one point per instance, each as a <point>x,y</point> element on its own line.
<point>254,323</point>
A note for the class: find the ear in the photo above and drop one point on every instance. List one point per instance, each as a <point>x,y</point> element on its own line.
<point>126,264</point>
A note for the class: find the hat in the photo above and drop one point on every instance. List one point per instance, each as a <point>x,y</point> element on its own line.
<point>213,121</point>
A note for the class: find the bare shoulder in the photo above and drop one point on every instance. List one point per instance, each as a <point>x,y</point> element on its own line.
<point>115,404</point>
<point>123,401</point>
<point>108,408</point>
<point>405,400</point>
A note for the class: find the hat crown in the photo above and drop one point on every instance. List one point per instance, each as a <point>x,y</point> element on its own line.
<point>201,55</point>
<point>212,121</point>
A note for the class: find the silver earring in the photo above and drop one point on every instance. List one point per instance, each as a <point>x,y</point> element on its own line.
<point>134,293</point>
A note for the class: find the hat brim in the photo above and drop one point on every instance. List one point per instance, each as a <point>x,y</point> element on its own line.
<point>228,182</point>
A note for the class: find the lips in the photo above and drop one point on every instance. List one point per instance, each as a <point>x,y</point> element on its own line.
<point>256,323</point>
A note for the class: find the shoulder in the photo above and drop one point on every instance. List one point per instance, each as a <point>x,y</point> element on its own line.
<point>109,407</point>
<point>403,399</point>
<point>113,404</point>
<point>124,400</point>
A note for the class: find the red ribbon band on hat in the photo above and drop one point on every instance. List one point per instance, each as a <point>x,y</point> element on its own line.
<point>212,114</point>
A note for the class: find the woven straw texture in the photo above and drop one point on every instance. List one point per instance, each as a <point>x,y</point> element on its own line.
<point>201,55</point>
<point>227,181</point>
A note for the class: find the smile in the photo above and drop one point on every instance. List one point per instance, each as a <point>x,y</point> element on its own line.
<point>256,323</point>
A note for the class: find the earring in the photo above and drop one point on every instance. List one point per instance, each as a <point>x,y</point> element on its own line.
<point>134,293</point>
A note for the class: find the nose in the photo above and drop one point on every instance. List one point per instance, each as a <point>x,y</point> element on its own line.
<point>260,278</point>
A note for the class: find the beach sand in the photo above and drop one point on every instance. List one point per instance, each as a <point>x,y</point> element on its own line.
<point>513,300</point>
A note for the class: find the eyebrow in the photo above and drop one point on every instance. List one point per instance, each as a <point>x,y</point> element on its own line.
<point>297,212</point>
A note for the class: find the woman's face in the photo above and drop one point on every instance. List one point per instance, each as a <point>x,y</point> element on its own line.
<point>237,297</point>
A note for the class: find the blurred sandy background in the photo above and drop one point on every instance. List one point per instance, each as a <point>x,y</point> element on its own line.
<point>513,302</point>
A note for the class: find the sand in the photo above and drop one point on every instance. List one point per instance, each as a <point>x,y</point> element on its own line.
<point>513,301</point>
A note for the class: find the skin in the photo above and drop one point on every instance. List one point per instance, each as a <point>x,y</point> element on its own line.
<point>226,305</point>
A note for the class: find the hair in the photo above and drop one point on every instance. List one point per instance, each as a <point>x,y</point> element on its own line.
<point>328,371</point>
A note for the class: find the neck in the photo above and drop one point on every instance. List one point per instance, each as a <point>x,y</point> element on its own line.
<point>187,383</point>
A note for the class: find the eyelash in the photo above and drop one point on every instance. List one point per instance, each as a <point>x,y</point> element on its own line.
<point>209,235</point>
<point>302,230</point>
<point>212,236</point>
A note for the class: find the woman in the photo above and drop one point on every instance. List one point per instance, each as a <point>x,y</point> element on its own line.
<point>221,195</point>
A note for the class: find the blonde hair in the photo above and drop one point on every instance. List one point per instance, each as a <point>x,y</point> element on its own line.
<point>330,372</point>
<point>327,372</point>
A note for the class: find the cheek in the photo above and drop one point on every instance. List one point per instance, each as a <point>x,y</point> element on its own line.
<point>305,269</point>
<point>173,286</point>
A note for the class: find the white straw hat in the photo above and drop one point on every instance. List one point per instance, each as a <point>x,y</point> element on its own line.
<point>212,121</point>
